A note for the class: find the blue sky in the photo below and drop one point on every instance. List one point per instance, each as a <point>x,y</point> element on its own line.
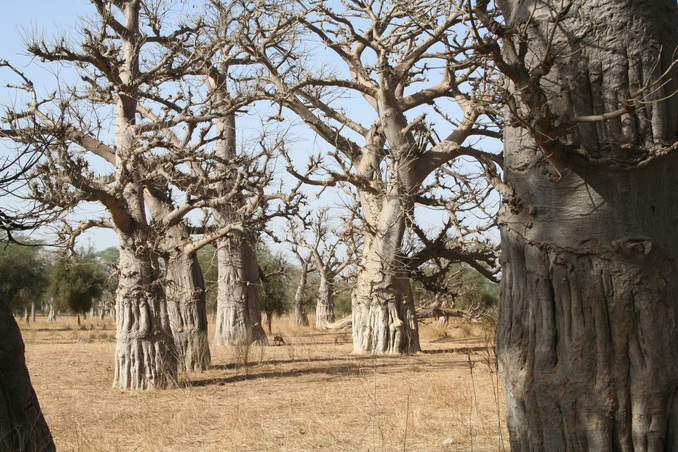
<point>48,17</point>
<point>44,15</point>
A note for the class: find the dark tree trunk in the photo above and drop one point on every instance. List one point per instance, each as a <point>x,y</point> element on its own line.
<point>268,319</point>
<point>22,426</point>
<point>587,334</point>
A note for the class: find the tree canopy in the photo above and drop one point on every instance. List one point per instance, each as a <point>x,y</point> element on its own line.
<point>22,272</point>
<point>76,282</point>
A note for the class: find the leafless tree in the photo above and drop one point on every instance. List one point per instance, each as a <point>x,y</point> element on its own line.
<point>125,62</point>
<point>398,59</point>
<point>587,341</point>
<point>324,248</point>
<point>300,315</point>
<point>225,71</point>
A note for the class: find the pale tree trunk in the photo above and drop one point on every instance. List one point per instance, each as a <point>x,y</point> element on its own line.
<point>184,287</point>
<point>22,425</point>
<point>238,310</point>
<point>587,335</point>
<point>267,318</point>
<point>383,314</point>
<point>324,308</point>
<point>185,291</point>
<point>383,306</point>
<point>145,355</point>
<point>51,316</point>
<point>33,311</point>
<point>300,316</point>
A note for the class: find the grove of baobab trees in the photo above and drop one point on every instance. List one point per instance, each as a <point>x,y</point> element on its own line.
<point>156,160</point>
<point>582,92</point>
<point>395,59</point>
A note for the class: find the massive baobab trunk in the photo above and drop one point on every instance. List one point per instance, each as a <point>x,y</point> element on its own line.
<point>185,292</point>
<point>238,312</point>
<point>383,307</point>
<point>145,355</point>
<point>22,426</point>
<point>588,335</point>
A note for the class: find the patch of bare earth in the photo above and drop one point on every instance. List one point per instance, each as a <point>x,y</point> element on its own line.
<point>310,394</point>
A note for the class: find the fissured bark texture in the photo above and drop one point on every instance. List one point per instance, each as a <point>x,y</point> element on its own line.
<point>587,335</point>
<point>238,310</point>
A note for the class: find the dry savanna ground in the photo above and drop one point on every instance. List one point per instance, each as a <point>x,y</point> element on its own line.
<point>310,394</point>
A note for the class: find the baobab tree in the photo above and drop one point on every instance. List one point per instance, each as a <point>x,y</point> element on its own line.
<point>242,201</point>
<point>323,249</point>
<point>70,133</point>
<point>587,338</point>
<point>300,315</point>
<point>403,60</point>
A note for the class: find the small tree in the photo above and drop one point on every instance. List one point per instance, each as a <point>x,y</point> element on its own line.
<point>22,273</point>
<point>109,260</point>
<point>323,253</point>
<point>274,285</point>
<point>75,283</point>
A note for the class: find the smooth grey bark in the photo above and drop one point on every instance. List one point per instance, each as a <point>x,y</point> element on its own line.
<point>22,425</point>
<point>587,332</point>
<point>324,308</point>
<point>238,309</point>
<point>300,316</point>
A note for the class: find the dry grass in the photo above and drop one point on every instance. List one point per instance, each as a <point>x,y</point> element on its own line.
<point>307,395</point>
